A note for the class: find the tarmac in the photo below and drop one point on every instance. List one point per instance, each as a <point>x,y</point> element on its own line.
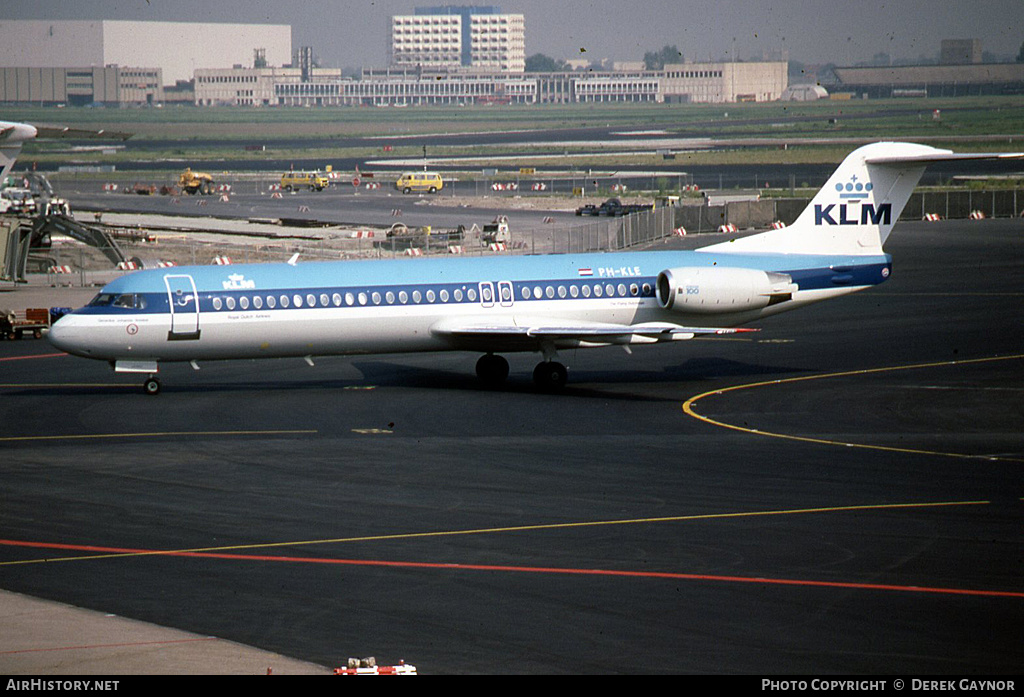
<point>38,293</point>
<point>41,637</point>
<point>891,513</point>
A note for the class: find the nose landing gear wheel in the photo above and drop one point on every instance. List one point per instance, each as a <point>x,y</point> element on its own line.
<point>151,386</point>
<point>550,375</point>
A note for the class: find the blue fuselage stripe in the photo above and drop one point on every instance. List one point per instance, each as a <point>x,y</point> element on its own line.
<point>280,287</point>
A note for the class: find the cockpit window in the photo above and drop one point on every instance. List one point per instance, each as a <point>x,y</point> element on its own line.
<point>101,300</point>
<point>130,301</point>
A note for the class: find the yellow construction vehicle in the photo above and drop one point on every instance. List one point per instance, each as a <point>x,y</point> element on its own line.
<point>196,183</point>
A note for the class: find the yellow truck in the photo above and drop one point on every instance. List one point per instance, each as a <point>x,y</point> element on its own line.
<point>196,183</point>
<point>314,181</point>
<point>429,182</point>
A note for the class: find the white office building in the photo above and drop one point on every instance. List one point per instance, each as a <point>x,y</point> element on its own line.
<point>456,36</point>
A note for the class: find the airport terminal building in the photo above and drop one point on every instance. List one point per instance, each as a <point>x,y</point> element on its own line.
<point>448,55</point>
<point>703,83</point>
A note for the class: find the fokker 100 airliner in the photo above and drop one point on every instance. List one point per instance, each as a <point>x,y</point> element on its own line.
<point>494,305</point>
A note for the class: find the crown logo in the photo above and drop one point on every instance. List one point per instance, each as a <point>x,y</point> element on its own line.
<point>854,189</point>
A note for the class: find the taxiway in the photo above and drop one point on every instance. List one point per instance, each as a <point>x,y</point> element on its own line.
<point>838,493</point>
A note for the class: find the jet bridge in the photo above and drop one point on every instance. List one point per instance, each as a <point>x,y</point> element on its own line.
<point>19,234</point>
<point>60,223</point>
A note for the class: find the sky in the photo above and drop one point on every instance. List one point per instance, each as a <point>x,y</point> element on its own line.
<point>352,33</point>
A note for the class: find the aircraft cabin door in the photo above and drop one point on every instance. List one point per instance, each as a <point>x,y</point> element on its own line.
<point>184,304</point>
<point>487,294</point>
<point>506,296</point>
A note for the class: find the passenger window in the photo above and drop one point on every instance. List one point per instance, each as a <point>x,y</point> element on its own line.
<point>217,303</point>
<point>271,302</point>
<point>243,302</point>
<point>430,296</point>
<point>458,295</point>
<point>284,301</point>
<point>403,297</point>
<point>257,302</point>
<point>390,297</point>
<point>297,299</point>
<point>324,300</point>
<point>336,299</point>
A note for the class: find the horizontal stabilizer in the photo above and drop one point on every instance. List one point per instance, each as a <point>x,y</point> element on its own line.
<point>49,132</point>
<point>930,159</point>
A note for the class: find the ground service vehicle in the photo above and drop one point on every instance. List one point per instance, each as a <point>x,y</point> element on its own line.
<point>613,207</point>
<point>496,232</point>
<point>14,325</point>
<point>196,182</point>
<point>409,182</point>
<point>17,200</point>
<point>314,181</point>
<point>400,237</point>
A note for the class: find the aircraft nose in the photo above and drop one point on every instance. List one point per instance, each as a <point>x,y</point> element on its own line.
<point>65,336</point>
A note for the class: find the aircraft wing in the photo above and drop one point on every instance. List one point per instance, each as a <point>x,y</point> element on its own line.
<point>524,332</point>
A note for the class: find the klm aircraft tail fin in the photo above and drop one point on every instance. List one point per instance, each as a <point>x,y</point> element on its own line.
<point>856,209</point>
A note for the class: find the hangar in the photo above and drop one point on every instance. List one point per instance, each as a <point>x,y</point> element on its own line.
<point>931,80</point>
<point>179,48</point>
<point>83,86</point>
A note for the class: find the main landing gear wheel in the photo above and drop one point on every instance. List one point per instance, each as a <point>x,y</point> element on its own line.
<point>550,375</point>
<point>492,370</point>
<point>151,386</point>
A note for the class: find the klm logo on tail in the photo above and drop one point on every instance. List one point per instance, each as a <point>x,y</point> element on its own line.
<point>868,214</point>
<point>854,191</point>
